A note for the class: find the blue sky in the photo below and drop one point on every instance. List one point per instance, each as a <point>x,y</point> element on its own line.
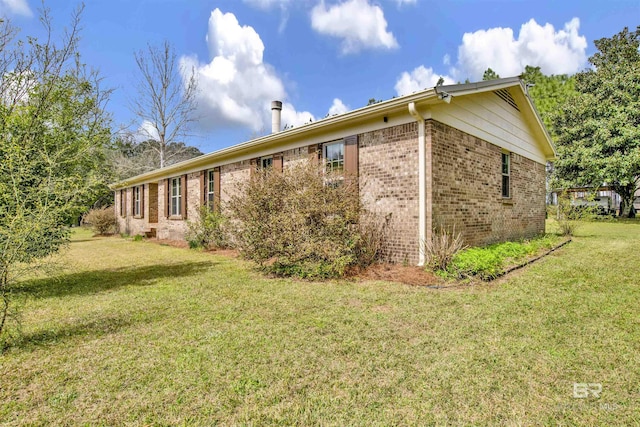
<point>325,56</point>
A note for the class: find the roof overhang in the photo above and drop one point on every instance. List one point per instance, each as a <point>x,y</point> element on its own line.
<point>420,99</point>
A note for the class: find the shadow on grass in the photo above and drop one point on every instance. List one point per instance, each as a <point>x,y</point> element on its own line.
<point>91,328</point>
<point>91,282</point>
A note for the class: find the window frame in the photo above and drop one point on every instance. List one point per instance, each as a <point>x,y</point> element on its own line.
<point>505,170</point>
<point>330,165</point>
<point>266,159</point>
<point>137,201</point>
<point>211,190</point>
<point>175,197</point>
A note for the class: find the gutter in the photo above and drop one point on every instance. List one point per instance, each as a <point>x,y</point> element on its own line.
<point>422,183</point>
<point>342,120</point>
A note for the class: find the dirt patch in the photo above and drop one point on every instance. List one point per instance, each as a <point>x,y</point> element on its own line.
<point>409,275</point>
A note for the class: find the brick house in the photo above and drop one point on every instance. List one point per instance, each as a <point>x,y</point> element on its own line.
<point>470,156</point>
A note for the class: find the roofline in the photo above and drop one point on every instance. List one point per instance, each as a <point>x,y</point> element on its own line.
<point>395,104</point>
<point>468,88</point>
<point>360,113</point>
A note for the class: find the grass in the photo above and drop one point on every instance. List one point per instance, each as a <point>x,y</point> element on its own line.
<point>135,333</point>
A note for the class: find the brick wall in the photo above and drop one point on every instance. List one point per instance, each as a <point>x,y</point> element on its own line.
<point>230,176</point>
<point>467,189</point>
<point>389,185</point>
<point>295,156</point>
<point>175,228</point>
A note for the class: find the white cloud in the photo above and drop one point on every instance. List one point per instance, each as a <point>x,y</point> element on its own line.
<point>18,7</point>
<point>358,23</point>
<point>555,52</point>
<point>419,79</point>
<point>146,131</point>
<point>291,117</point>
<point>338,107</point>
<point>236,87</point>
<point>267,4</point>
<point>283,5</point>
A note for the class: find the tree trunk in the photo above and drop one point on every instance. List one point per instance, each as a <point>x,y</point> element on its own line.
<point>626,193</point>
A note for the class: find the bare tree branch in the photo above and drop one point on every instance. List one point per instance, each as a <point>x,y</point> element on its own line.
<point>165,103</point>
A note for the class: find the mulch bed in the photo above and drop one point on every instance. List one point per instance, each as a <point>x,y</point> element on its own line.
<point>409,275</point>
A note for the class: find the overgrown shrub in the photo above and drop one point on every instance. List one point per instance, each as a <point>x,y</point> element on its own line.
<point>303,222</point>
<point>442,248</point>
<point>207,230</point>
<point>102,221</point>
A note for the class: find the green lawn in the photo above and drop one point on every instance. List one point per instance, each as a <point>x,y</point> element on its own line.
<point>141,334</point>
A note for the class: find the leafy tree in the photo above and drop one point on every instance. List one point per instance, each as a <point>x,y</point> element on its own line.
<point>489,74</point>
<point>164,104</point>
<point>548,92</point>
<point>598,129</point>
<point>53,131</point>
<point>373,101</point>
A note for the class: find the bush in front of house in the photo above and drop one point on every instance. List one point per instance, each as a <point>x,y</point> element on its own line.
<point>101,220</point>
<point>208,230</point>
<point>303,222</point>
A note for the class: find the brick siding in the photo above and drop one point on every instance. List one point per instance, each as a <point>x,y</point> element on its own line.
<point>389,185</point>
<point>467,189</point>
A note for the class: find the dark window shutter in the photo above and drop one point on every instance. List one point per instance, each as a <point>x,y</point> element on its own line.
<point>203,187</point>
<point>216,189</point>
<point>122,202</point>
<point>278,161</point>
<point>183,197</point>
<point>351,156</point>
<point>167,197</point>
<point>142,201</point>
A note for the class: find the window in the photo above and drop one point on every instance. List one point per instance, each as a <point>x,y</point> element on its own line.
<point>175,196</point>
<point>506,174</point>
<point>266,162</point>
<point>137,201</point>
<point>210,189</point>
<point>334,156</point>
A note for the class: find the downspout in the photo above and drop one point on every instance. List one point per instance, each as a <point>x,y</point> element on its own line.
<point>422,183</point>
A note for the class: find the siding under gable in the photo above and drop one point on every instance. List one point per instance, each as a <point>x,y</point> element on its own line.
<point>490,118</point>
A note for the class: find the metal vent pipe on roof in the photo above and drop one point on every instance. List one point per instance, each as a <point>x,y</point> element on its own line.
<point>276,108</point>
